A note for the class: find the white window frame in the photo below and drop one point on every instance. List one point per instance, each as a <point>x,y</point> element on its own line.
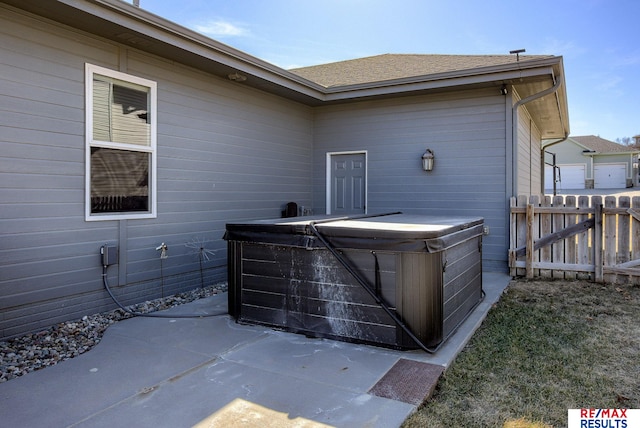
<point>90,71</point>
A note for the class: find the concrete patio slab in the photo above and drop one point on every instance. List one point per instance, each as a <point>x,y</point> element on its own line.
<point>183,372</point>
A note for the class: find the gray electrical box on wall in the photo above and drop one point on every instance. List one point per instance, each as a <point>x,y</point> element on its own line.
<point>109,255</point>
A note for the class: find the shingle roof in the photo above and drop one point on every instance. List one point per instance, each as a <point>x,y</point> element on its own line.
<point>397,66</point>
<point>601,145</point>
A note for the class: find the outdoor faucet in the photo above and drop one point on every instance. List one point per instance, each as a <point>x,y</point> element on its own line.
<point>163,248</point>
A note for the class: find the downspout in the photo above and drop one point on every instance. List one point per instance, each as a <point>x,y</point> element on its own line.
<point>563,139</point>
<point>514,126</point>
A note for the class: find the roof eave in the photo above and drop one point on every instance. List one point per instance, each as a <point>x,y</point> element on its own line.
<point>128,25</point>
<point>226,54</point>
<point>436,81</point>
<point>596,153</point>
<point>117,20</point>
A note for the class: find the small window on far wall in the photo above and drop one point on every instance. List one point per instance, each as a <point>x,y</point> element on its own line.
<point>121,145</point>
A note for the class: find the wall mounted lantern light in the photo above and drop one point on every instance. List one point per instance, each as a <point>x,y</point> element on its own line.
<point>427,160</point>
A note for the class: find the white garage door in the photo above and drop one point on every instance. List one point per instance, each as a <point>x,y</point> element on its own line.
<point>571,177</point>
<point>548,177</point>
<point>610,176</point>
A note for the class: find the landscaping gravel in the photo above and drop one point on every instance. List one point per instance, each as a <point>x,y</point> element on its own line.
<point>24,354</point>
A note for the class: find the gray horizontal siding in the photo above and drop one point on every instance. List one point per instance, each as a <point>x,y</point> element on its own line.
<point>529,155</point>
<point>61,306</point>
<point>568,152</point>
<point>466,131</point>
<point>225,153</point>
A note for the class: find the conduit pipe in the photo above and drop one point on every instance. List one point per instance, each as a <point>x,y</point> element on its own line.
<point>148,314</point>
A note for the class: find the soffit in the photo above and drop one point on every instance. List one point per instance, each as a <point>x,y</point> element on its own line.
<point>125,24</point>
<point>397,74</point>
<point>550,112</point>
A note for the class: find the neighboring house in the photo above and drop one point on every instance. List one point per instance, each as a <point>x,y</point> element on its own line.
<point>120,128</point>
<point>590,162</point>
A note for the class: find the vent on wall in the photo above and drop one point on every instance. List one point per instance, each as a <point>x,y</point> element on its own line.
<point>134,39</point>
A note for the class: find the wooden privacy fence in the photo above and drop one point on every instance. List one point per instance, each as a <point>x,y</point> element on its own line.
<point>576,237</point>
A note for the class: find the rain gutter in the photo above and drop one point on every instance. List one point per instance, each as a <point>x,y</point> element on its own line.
<point>135,27</point>
<point>514,125</point>
<point>482,75</point>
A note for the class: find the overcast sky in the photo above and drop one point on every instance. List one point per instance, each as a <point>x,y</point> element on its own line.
<point>599,40</point>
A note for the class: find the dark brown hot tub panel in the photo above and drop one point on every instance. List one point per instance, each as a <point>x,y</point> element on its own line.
<point>425,270</point>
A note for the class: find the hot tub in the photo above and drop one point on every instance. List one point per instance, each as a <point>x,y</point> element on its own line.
<point>395,280</point>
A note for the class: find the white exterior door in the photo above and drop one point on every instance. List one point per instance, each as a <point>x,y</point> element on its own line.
<point>571,177</point>
<point>610,176</point>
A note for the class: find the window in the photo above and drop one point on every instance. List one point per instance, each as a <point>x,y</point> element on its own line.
<point>121,145</point>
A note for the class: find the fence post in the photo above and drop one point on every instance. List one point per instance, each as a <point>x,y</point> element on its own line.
<point>558,223</point>
<point>609,239</point>
<point>570,255</point>
<point>597,242</point>
<point>521,231</point>
<point>623,253</point>
<point>583,252</point>
<point>512,236</point>
<point>545,229</point>
<point>529,244</point>
<point>635,236</point>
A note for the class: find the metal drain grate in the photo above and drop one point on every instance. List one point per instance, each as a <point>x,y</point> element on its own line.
<point>408,381</point>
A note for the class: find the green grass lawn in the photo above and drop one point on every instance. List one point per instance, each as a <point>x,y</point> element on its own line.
<point>545,347</point>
